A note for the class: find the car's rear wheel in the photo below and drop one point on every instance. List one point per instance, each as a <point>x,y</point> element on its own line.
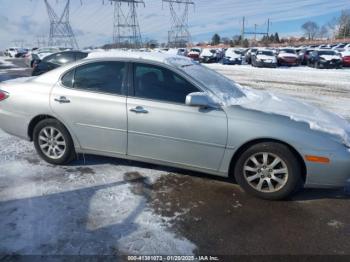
<point>269,171</point>
<point>53,142</point>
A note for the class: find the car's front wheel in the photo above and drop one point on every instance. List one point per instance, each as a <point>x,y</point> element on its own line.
<point>53,142</point>
<point>269,171</point>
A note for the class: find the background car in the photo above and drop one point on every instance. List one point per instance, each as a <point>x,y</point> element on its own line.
<point>264,58</point>
<point>325,59</point>
<point>304,55</point>
<point>209,56</point>
<point>346,58</point>
<point>232,56</point>
<point>12,51</point>
<point>249,53</point>
<point>287,57</point>
<point>21,52</point>
<point>56,60</point>
<point>194,53</point>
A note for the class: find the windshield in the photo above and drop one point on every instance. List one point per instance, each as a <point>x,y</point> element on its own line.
<point>221,87</point>
<point>287,51</point>
<point>268,53</point>
<point>327,53</point>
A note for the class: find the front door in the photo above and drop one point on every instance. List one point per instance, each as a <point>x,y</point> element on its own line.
<point>162,127</point>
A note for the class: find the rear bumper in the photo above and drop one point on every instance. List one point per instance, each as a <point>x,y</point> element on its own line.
<point>14,124</point>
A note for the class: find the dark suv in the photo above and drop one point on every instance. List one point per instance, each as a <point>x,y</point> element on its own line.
<point>325,59</point>
<point>56,60</point>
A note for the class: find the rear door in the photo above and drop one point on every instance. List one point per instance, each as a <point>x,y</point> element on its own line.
<point>91,101</point>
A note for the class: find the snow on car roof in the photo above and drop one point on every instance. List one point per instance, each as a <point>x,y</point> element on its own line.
<point>166,58</point>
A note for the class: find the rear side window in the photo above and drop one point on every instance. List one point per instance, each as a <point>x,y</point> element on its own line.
<point>104,77</point>
<point>68,79</point>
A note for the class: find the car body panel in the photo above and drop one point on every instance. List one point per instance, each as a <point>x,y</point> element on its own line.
<point>177,133</point>
<point>98,120</point>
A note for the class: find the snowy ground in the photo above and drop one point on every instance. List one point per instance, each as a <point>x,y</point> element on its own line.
<point>103,206</point>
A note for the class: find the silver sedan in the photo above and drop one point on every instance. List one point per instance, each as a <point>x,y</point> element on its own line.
<point>170,110</point>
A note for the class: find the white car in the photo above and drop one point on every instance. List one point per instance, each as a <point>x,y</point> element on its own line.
<point>12,51</point>
<point>232,56</point>
<point>264,58</point>
<point>209,55</point>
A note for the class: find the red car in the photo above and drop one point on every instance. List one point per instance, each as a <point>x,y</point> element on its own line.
<point>288,57</point>
<point>346,58</point>
<point>194,53</point>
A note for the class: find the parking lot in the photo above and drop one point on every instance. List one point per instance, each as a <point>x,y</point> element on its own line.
<point>105,206</point>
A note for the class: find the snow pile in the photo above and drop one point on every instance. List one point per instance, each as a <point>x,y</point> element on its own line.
<point>317,119</point>
<point>81,209</point>
<point>3,62</point>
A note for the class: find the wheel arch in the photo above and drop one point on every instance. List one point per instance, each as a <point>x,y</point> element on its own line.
<point>245,146</point>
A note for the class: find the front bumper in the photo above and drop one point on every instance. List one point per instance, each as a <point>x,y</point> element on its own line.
<point>330,64</point>
<point>334,174</point>
<point>265,64</point>
<point>288,62</point>
<point>227,61</point>
<point>207,59</point>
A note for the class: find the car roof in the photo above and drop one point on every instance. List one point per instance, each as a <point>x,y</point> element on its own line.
<point>159,57</point>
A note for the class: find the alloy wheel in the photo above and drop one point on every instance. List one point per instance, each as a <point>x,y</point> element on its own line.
<point>266,172</point>
<point>52,142</point>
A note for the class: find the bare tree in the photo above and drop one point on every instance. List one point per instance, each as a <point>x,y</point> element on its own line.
<point>344,24</point>
<point>311,29</point>
<point>323,32</point>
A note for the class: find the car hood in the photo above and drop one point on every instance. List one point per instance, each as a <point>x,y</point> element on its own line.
<point>265,57</point>
<point>317,119</point>
<point>330,57</point>
<point>288,55</point>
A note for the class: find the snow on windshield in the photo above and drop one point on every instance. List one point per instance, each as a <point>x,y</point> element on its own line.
<point>224,90</point>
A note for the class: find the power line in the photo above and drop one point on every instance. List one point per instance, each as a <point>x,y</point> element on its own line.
<point>179,34</point>
<point>126,28</point>
<point>61,33</point>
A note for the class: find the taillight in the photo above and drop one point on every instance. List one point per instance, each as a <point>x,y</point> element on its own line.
<point>3,95</point>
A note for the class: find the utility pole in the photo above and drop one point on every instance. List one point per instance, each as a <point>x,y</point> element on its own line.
<point>179,34</point>
<point>255,26</point>
<point>255,32</point>
<point>243,31</point>
<point>61,33</point>
<point>126,28</point>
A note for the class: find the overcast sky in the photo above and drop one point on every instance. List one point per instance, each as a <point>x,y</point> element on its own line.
<point>92,21</point>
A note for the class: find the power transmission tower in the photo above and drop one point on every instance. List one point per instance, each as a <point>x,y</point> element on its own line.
<point>179,34</point>
<point>126,28</point>
<point>61,33</point>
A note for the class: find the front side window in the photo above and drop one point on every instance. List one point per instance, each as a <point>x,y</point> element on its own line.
<point>104,77</point>
<point>157,83</point>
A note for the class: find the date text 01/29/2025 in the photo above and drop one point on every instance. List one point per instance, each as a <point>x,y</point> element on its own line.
<point>173,258</point>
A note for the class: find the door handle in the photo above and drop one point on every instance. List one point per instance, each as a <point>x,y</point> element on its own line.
<point>139,110</point>
<point>62,100</point>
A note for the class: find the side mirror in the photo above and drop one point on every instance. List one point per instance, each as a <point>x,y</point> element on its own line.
<point>200,99</point>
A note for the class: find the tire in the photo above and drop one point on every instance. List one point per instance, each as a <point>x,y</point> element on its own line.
<point>62,149</point>
<point>289,181</point>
